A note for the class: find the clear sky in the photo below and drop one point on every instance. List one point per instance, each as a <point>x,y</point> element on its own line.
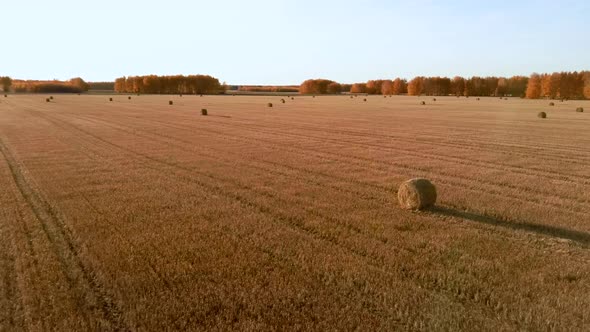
<point>286,42</point>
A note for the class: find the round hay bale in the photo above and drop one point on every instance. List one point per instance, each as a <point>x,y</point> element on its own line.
<point>51,97</point>
<point>423,103</point>
<point>47,100</point>
<point>283,101</point>
<point>433,99</point>
<point>170,102</point>
<point>542,115</point>
<point>5,96</point>
<point>269,104</point>
<point>203,111</point>
<point>129,97</point>
<point>477,98</point>
<point>110,99</point>
<point>580,110</point>
<point>364,99</point>
<point>416,194</point>
<point>292,98</point>
<point>551,104</point>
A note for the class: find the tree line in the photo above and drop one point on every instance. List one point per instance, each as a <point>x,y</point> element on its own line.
<point>177,84</point>
<point>568,85</point>
<point>74,85</point>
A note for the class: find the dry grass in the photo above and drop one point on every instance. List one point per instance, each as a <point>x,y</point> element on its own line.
<point>136,216</point>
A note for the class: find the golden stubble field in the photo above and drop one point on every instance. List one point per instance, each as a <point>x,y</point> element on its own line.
<point>137,215</point>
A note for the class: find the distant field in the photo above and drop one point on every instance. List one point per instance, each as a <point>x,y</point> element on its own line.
<point>137,215</point>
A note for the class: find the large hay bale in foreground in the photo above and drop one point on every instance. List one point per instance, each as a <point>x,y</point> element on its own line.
<point>203,111</point>
<point>542,115</point>
<point>580,110</point>
<point>416,194</point>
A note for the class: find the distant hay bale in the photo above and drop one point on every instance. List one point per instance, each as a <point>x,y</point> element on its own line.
<point>283,101</point>
<point>110,99</point>
<point>203,111</point>
<point>477,98</point>
<point>351,97</point>
<point>269,104</point>
<point>170,102</point>
<point>47,100</point>
<point>542,115</point>
<point>416,194</point>
<point>5,96</point>
<point>551,104</point>
<point>364,99</point>
<point>433,99</point>
<point>423,103</point>
<point>292,98</point>
<point>580,110</point>
<point>51,97</point>
<point>129,97</point>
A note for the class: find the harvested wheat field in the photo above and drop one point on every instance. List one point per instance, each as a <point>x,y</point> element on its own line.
<point>140,214</point>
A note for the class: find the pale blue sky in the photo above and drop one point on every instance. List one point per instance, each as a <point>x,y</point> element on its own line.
<point>286,42</point>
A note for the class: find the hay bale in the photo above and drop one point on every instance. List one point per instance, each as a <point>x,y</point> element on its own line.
<point>170,102</point>
<point>505,98</point>
<point>542,115</point>
<point>580,110</point>
<point>5,96</point>
<point>364,99</point>
<point>551,104</point>
<point>283,101</point>
<point>477,98</point>
<point>110,99</point>
<point>416,194</point>
<point>51,97</point>
<point>433,99</point>
<point>269,104</point>
<point>47,100</point>
<point>129,97</point>
<point>203,111</point>
<point>292,98</point>
<point>423,103</point>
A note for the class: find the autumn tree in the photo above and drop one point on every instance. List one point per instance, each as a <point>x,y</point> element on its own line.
<point>387,87</point>
<point>334,88</point>
<point>415,86</point>
<point>315,86</point>
<point>6,83</point>
<point>79,83</point>
<point>358,88</point>
<point>458,86</point>
<point>534,89</point>
<point>400,86</point>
